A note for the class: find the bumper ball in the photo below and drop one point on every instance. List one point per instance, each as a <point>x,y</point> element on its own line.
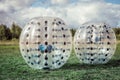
<point>94,43</point>
<point>45,43</point>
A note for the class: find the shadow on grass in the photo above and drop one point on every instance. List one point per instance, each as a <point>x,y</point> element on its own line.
<point>78,66</point>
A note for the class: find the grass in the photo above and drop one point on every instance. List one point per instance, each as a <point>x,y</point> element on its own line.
<point>13,67</point>
<point>9,42</point>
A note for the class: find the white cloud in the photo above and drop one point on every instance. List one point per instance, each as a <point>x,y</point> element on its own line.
<point>6,18</point>
<point>74,14</point>
<point>9,7</point>
<point>59,1</point>
<point>95,11</point>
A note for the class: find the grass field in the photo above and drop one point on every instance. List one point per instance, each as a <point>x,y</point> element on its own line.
<point>13,67</point>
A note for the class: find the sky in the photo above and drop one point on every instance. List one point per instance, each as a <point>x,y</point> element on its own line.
<point>73,12</point>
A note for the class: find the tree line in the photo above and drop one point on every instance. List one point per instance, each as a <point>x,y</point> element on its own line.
<point>13,32</point>
<point>116,30</point>
<point>7,33</point>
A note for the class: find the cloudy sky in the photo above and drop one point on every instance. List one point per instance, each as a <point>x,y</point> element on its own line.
<point>73,12</point>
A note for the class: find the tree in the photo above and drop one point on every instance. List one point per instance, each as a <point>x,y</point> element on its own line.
<point>15,30</point>
<point>8,34</point>
<point>2,31</point>
<point>73,32</point>
<point>117,31</point>
<point>5,33</point>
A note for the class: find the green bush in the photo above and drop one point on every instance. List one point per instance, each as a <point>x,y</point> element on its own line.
<point>7,33</point>
<point>118,37</point>
<point>117,33</point>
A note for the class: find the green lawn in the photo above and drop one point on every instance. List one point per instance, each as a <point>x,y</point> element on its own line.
<point>13,67</point>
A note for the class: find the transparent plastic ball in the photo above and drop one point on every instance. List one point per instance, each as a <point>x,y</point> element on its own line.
<point>94,43</point>
<point>45,43</point>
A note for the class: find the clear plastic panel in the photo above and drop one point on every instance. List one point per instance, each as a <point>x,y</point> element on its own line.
<point>46,42</point>
<point>94,43</point>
